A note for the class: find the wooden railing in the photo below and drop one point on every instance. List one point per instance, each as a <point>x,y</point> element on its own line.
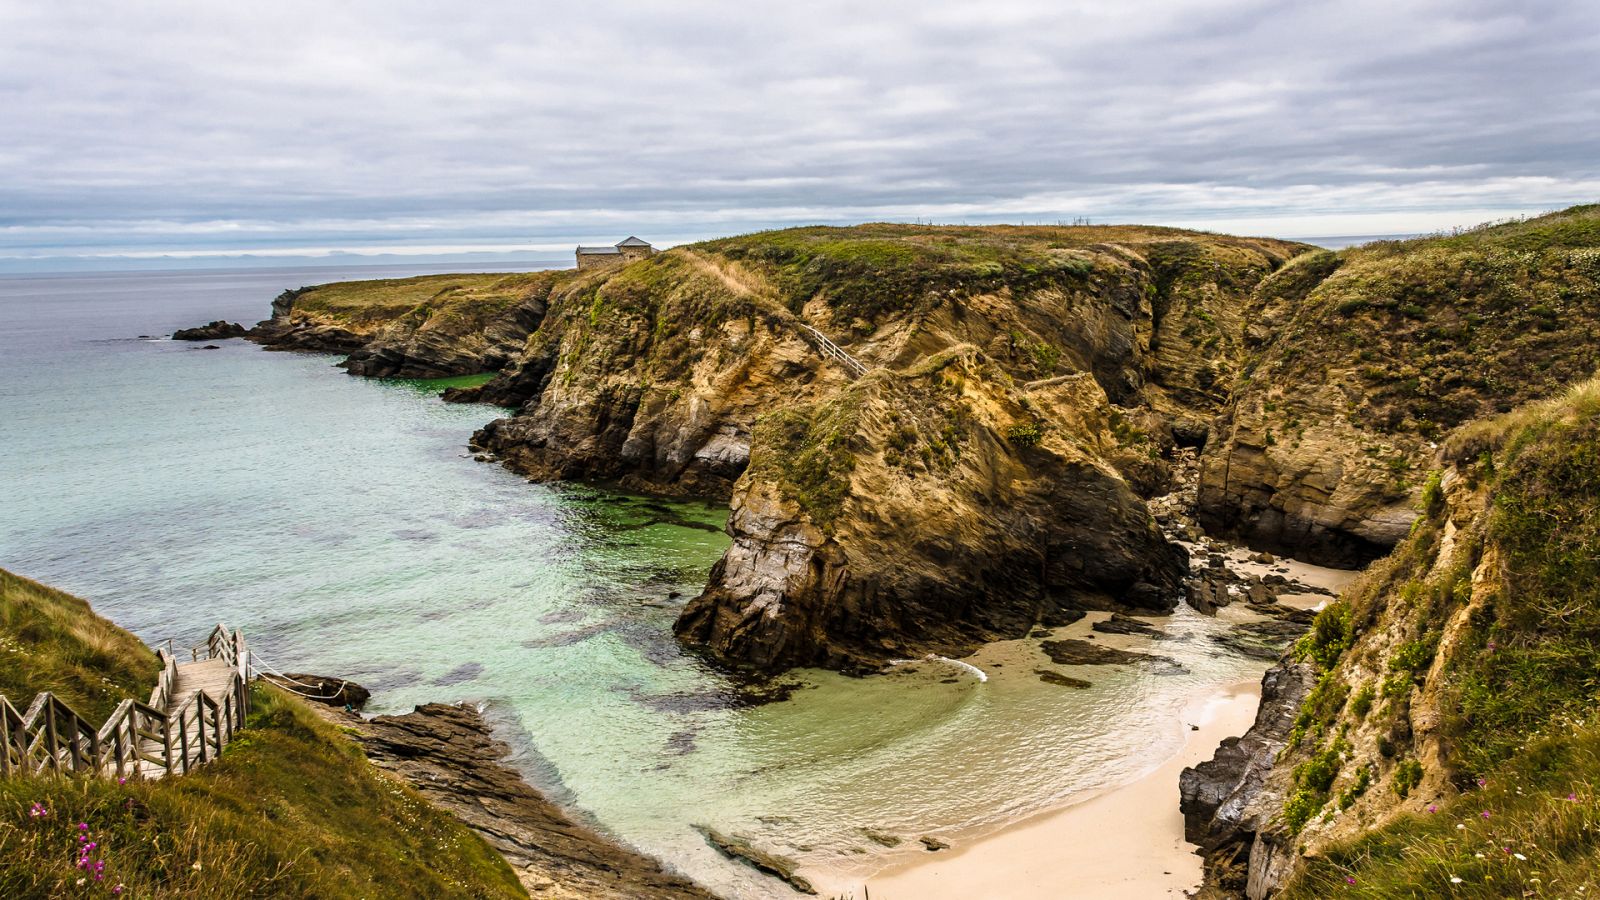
<point>137,739</point>
<point>834,351</point>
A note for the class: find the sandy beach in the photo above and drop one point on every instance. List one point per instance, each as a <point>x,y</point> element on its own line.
<point>1123,843</point>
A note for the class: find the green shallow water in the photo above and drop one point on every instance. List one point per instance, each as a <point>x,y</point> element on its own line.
<point>343,524</point>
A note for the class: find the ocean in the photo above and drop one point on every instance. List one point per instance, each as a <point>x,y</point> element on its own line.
<point>343,524</point>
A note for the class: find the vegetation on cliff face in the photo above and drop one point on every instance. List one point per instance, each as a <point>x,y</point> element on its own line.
<point>362,306</point>
<point>1369,355</point>
<point>52,641</point>
<point>1476,647</point>
<point>290,809</point>
<point>432,326</point>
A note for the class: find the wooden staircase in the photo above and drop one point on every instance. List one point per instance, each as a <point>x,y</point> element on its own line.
<point>193,712</point>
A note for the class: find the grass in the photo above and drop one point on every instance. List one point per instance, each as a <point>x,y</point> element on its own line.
<point>1431,333</point>
<point>869,271</point>
<point>361,305</point>
<point>807,452</point>
<point>290,809</point>
<point>1540,838</point>
<point>52,641</point>
<point>1516,687</point>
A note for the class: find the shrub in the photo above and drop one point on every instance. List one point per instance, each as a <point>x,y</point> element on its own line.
<point>1407,775</point>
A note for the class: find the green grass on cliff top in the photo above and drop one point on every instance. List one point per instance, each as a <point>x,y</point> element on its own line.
<point>364,302</point>
<point>291,808</point>
<point>52,641</point>
<point>867,270</point>
<point>1430,333</point>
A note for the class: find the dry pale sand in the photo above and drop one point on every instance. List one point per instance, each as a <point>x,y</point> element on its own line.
<point>1124,843</point>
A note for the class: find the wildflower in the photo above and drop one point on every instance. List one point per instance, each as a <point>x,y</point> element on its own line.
<point>37,811</point>
<point>1349,879</point>
<point>83,826</point>
<point>122,781</point>
<point>1483,782</point>
<point>1573,797</point>
<point>1432,808</point>
<point>116,888</point>
<point>82,881</point>
<point>1520,857</point>
<point>1491,645</point>
<point>1454,880</point>
<point>1485,814</point>
<point>1460,826</point>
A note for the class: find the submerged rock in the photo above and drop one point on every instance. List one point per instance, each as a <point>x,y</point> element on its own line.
<point>1056,678</point>
<point>1073,652</point>
<point>739,848</point>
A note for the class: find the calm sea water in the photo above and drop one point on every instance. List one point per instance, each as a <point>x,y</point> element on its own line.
<point>342,523</point>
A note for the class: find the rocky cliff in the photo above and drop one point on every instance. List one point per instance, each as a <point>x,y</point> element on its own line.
<point>1451,693</point>
<point>433,326</point>
<point>1365,358</point>
<point>984,475</point>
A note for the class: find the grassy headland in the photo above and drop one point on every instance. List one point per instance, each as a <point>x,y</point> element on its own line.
<point>291,808</point>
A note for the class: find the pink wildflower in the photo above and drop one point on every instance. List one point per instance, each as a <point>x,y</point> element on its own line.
<point>83,826</point>
<point>1485,814</point>
<point>116,889</point>
<point>38,811</point>
<point>1432,808</point>
<point>1483,782</point>
<point>1349,879</point>
<point>1573,797</point>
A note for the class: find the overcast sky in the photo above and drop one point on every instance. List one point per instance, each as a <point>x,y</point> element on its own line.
<point>137,129</point>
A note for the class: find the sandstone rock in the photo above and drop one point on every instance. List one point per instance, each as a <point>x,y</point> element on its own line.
<point>448,754</point>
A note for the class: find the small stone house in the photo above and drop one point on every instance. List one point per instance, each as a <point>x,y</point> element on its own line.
<point>626,250</point>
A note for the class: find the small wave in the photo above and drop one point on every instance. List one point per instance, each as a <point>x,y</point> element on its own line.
<point>934,657</point>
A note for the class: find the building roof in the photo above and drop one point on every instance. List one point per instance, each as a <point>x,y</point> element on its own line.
<point>587,251</point>
<point>631,241</point>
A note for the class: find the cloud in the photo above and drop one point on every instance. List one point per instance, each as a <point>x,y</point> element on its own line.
<point>165,126</point>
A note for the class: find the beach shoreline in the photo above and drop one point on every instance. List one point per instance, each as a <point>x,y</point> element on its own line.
<point>1125,842</point>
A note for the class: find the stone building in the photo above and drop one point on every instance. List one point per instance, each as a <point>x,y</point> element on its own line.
<point>626,250</point>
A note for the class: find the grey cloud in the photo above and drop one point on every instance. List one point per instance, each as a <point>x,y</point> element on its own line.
<point>303,123</point>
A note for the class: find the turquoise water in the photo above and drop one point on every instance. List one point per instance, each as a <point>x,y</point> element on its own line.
<point>342,523</point>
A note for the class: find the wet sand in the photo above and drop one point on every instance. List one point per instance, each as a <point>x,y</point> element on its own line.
<point>1123,843</point>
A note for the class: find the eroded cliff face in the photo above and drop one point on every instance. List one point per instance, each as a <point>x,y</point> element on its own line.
<point>1366,358</point>
<point>1469,644</point>
<point>432,326</point>
<point>924,512</point>
<point>983,476</point>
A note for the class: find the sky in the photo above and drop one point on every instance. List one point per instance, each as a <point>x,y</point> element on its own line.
<point>211,133</point>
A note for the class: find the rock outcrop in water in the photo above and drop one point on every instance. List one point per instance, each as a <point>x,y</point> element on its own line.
<point>432,326</point>
<point>211,331</point>
<point>448,754</point>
